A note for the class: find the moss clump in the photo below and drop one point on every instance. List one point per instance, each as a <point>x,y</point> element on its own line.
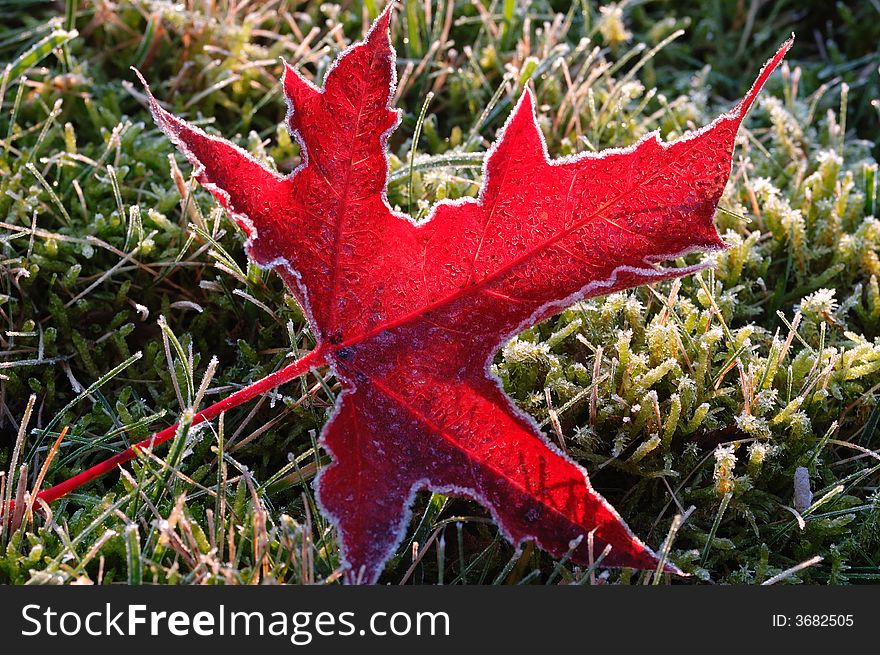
<point>120,280</point>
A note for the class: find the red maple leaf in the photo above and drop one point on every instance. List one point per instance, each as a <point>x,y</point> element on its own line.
<point>409,316</point>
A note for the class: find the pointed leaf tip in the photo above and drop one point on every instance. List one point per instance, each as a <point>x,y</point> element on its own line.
<point>768,68</point>
<point>524,110</point>
<point>150,98</point>
<point>166,121</point>
<point>522,127</point>
<point>381,27</point>
<point>385,17</point>
<point>297,89</point>
<point>138,74</point>
<point>526,100</point>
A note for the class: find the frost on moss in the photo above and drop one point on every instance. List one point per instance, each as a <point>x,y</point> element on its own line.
<point>709,392</point>
<point>760,355</point>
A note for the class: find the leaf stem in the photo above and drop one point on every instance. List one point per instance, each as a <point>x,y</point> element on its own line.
<point>286,374</point>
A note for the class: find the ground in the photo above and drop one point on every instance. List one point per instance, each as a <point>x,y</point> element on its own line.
<point>743,400</point>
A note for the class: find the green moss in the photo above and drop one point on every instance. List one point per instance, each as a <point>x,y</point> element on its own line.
<point>707,392</point>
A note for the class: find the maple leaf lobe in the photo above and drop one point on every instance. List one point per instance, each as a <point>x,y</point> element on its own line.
<point>409,316</point>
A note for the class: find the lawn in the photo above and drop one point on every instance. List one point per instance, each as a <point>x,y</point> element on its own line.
<point>731,415</point>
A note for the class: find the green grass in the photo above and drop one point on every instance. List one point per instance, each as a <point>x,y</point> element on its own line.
<point>698,398</point>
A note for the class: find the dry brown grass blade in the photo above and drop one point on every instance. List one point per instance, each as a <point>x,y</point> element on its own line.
<point>43,470</point>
